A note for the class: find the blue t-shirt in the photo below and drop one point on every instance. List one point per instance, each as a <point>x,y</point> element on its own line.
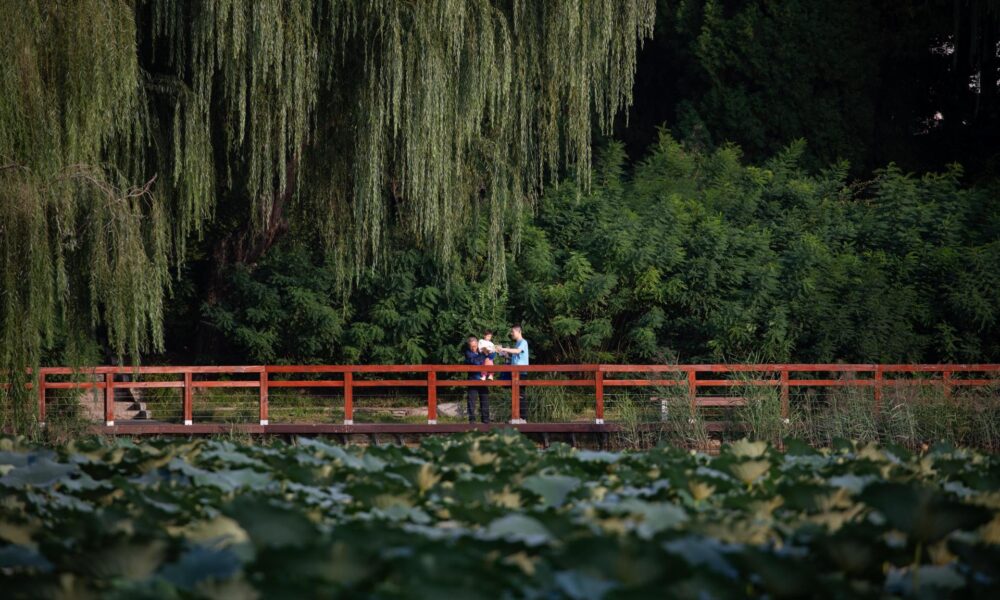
<point>521,358</point>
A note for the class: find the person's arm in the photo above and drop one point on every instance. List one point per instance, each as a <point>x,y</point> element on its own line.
<point>510,350</point>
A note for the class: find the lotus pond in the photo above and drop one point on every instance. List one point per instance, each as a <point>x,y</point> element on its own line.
<point>486,516</point>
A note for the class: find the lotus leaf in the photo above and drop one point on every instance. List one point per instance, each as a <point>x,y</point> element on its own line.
<point>749,471</point>
<point>484,515</point>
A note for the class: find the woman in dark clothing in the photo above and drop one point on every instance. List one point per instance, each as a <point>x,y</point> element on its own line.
<point>474,357</point>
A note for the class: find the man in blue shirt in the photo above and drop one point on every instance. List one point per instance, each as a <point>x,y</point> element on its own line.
<point>474,357</point>
<point>519,355</point>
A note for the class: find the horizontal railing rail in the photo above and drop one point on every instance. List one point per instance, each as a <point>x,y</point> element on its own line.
<point>432,378</point>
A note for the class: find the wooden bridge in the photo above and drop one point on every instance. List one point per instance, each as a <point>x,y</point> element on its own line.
<point>120,400</point>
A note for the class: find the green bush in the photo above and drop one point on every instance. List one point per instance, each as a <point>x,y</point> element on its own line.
<point>691,256</point>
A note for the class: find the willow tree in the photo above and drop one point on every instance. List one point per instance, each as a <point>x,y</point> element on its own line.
<point>124,124</point>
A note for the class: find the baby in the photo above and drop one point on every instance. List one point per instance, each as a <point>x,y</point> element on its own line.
<point>489,349</point>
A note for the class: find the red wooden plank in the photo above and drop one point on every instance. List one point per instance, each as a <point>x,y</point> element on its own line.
<point>149,384</point>
<point>68,385</point>
<point>306,383</point>
<point>473,383</point>
<point>262,383</point>
<point>557,382</point>
<point>644,382</point>
<point>227,369</point>
<point>679,369</point>
<point>226,384</point>
<point>737,382</point>
<point>507,383</point>
<point>878,389</point>
<point>425,368</point>
<point>308,368</point>
<point>188,400</point>
<point>599,396</point>
<point>69,371</point>
<point>348,398</point>
<point>831,382</point>
<point>584,368</point>
<point>734,368</point>
<point>515,397</point>
<point>391,383</point>
<point>432,398</point>
<point>693,392</point>
<point>831,367</point>
<point>941,367</point>
<point>41,396</point>
<point>109,398</point>
<point>784,395</point>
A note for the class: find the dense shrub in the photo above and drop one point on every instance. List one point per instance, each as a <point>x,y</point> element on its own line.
<point>691,256</point>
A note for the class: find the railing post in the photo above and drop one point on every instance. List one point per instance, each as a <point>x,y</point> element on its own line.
<point>599,395</point>
<point>878,389</point>
<point>784,396</point>
<point>946,383</point>
<point>693,392</point>
<point>515,397</point>
<point>432,398</point>
<point>188,404</point>
<point>348,398</point>
<point>109,398</point>
<point>263,397</point>
<point>41,397</point>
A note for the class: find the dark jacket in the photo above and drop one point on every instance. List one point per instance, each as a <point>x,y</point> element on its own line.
<point>474,358</point>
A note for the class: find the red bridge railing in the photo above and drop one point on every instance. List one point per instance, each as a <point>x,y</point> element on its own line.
<point>688,380</point>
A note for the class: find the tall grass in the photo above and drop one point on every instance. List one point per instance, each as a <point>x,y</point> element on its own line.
<point>63,423</point>
<point>912,416</point>
<point>637,420</point>
<point>558,405</point>
<point>759,417</point>
<point>660,415</point>
<point>683,428</point>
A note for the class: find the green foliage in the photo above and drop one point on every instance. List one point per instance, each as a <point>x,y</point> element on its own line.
<point>692,256</point>
<point>698,256</point>
<point>480,515</point>
<point>290,309</point>
<point>777,71</point>
<point>285,312</point>
<point>125,125</point>
<point>84,244</point>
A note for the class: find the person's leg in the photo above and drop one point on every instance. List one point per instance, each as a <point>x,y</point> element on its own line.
<point>470,404</point>
<point>484,404</point>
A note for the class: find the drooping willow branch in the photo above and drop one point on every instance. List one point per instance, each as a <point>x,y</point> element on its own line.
<point>397,113</point>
